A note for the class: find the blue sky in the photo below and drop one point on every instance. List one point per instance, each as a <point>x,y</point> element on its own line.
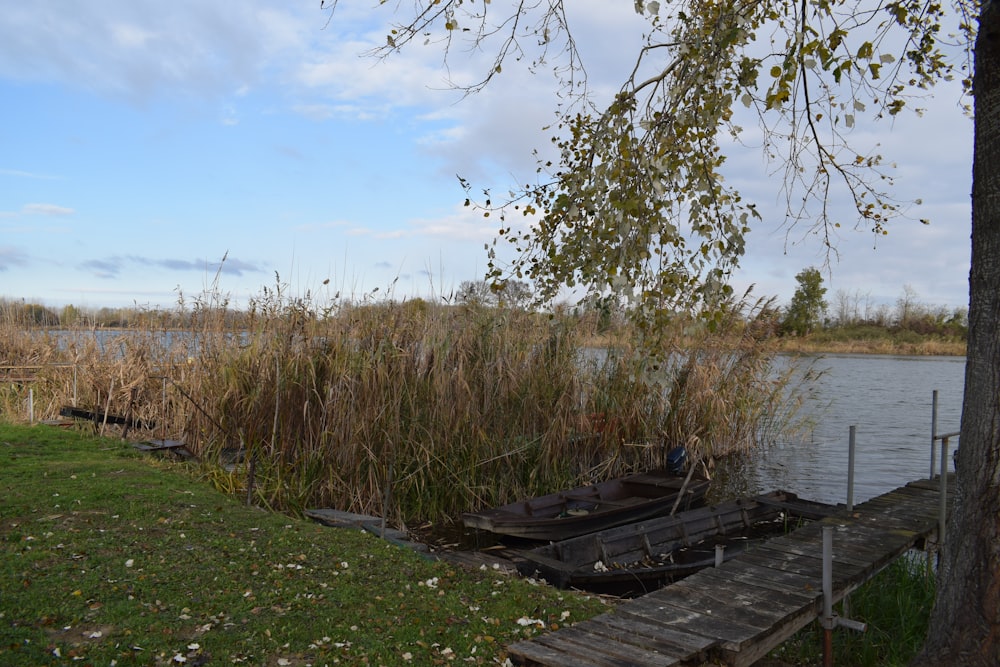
<point>141,142</point>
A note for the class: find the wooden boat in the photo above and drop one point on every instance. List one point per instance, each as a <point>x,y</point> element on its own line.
<point>640,557</point>
<point>587,509</point>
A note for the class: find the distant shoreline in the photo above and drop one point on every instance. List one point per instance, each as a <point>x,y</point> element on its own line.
<point>922,348</point>
<point>813,344</point>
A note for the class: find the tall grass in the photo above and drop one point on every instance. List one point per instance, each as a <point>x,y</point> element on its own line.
<point>895,605</point>
<point>407,410</point>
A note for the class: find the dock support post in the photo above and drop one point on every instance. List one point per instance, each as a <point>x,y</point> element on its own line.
<point>720,554</point>
<point>827,620</point>
<point>850,467</point>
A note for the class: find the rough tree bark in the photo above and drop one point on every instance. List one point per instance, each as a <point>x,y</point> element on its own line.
<point>965,623</point>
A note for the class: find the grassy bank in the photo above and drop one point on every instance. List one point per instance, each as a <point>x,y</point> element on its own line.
<point>107,558</point>
<point>873,340</point>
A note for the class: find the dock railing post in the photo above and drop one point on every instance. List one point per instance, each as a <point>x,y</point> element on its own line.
<point>850,467</point>
<point>934,406</point>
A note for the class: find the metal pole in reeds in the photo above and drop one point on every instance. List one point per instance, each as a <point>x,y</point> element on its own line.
<point>386,498</point>
<point>163,409</point>
<point>31,406</point>
<point>720,554</point>
<point>107,408</point>
<point>934,404</point>
<point>851,442</point>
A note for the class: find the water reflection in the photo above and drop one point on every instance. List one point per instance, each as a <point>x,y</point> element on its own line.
<point>889,399</point>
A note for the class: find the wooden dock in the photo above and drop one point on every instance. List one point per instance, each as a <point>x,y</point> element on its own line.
<point>736,613</point>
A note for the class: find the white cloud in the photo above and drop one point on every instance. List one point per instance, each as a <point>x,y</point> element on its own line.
<point>152,48</point>
<point>130,36</point>
<point>46,209</point>
<point>462,224</point>
<point>27,174</point>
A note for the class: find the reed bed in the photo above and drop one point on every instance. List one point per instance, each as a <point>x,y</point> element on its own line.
<point>410,410</point>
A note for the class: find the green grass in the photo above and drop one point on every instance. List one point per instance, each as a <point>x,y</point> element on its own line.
<point>896,607</point>
<point>107,557</point>
<point>110,557</point>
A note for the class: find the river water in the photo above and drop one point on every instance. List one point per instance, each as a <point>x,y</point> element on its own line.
<point>889,400</point>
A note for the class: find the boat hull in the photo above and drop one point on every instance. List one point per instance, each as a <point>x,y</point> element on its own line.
<point>584,510</point>
<point>640,557</point>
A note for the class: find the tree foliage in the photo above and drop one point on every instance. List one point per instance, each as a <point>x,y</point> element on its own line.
<point>505,294</point>
<point>636,203</point>
<point>805,312</point>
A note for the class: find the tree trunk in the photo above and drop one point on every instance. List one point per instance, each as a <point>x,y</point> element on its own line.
<point>965,623</point>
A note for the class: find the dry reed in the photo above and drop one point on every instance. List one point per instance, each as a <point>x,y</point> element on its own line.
<point>405,410</point>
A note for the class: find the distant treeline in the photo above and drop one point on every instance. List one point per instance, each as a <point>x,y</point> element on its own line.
<point>856,311</point>
<point>25,313</point>
<point>847,312</point>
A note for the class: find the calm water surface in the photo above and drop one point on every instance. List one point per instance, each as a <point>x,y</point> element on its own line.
<point>888,399</point>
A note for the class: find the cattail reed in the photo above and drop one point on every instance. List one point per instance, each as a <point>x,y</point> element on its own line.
<point>407,410</point>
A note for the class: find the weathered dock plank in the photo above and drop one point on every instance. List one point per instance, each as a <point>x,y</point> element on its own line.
<point>541,652</point>
<point>636,630</point>
<point>737,613</point>
<point>623,651</point>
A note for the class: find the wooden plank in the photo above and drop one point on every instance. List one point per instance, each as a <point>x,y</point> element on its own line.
<point>767,596</point>
<point>158,445</point>
<point>583,655</point>
<point>705,624</point>
<point>790,583</point>
<point>736,596</point>
<point>864,546</point>
<point>687,643</point>
<point>785,581</point>
<point>808,554</point>
<point>535,652</point>
<point>933,485</point>
<point>685,596</point>
<point>883,508</point>
<point>610,652</point>
<point>911,510</point>
<point>616,633</point>
<point>746,654</point>
<point>842,575</point>
<point>792,564</point>
<point>855,546</point>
